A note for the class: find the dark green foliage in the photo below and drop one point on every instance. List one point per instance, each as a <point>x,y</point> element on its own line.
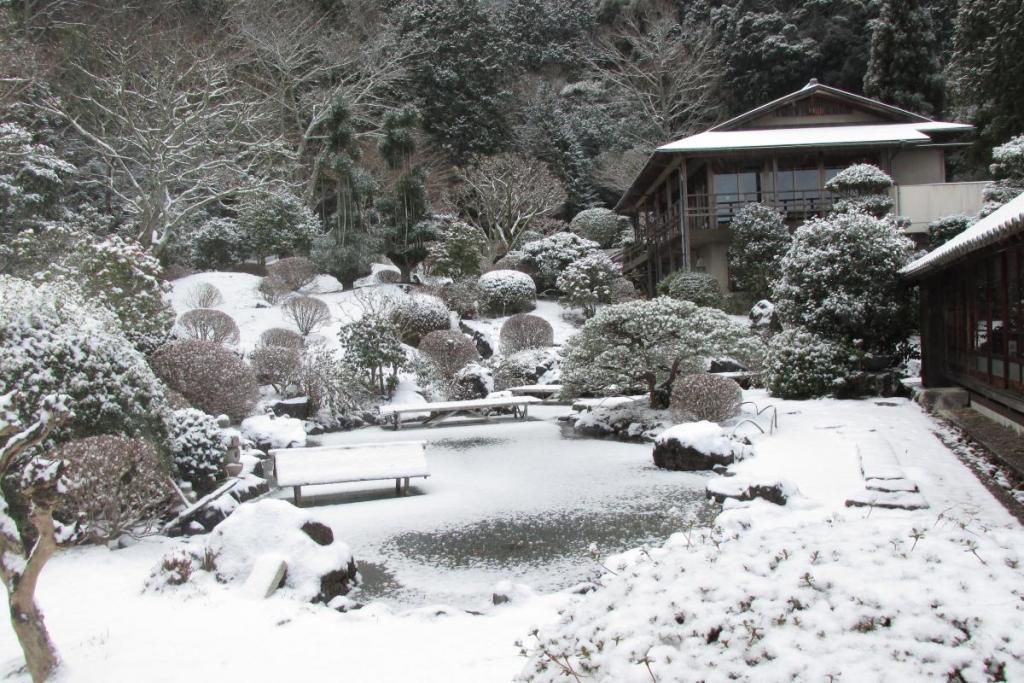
<point>760,239</point>
<point>946,228</point>
<point>547,34</point>
<point>904,67</point>
<point>277,223</point>
<point>461,78</point>
<point>987,67</point>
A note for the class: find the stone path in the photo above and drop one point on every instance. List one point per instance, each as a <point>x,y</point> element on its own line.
<point>885,484</point>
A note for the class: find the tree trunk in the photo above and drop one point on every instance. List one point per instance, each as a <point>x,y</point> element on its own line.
<point>40,654</point>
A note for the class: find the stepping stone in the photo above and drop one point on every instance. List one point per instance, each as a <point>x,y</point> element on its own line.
<point>891,485</point>
<point>266,576</point>
<point>877,459</point>
<point>897,500</point>
<point>742,488</point>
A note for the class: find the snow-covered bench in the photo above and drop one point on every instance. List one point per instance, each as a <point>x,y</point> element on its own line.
<point>401,461</point>
<point>441,411</point>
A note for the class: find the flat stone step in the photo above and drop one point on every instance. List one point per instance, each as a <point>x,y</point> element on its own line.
<point>891,485</point>
<point>897,500</point>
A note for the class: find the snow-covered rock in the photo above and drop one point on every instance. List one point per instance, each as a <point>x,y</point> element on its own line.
<point>323,284</point>
<point>319,567</point>
<point>743,488</point>
<point>270,431</point>
<point>622,418</point>
<point>693,446</point>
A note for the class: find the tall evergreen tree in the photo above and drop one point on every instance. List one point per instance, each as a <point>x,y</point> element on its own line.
<point>987,67</point>
<point>904,67</point>
<point>462,76</point>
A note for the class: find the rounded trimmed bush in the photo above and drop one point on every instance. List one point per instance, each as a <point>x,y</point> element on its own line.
<point>705,397</point>
<point>603,226</point>
<point>217,244</point>
<point>463,297</point>
<point>307,312</point>
<point>197,448</point>
<point>448,350</point>
<point>208,375</point>
<point>523,368</point>
<point>281,336</point>
<point>699,288</point>
<point>203,295</point>
<point>273,290</point>
<point>115,485</point>
<point>800,364</point>
<point>276,365</point>
<point>524,331</point>
<point>388,276</point>
<point>418,315</point>
<point>294,271</point>
<point>507,291</point>
<point>208,324</point>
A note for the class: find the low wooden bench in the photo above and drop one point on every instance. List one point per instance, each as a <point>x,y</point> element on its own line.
<point>401,461</point>
<point>441,411</point>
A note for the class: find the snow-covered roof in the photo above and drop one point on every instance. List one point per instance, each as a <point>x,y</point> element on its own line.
<point>1005,221</point>
<point>773,138</point>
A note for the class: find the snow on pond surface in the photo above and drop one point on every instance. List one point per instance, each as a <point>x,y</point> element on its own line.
<point>507,500</point>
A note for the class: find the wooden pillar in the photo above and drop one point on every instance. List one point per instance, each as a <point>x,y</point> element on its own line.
<point>933,341</point>
<point>684,224</point>
<point>668,218</point>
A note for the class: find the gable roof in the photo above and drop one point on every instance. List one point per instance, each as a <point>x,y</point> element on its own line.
<point>1005,221</point>
<point>813,88</point>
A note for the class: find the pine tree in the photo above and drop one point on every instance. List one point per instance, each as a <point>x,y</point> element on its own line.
<point>904,67</point>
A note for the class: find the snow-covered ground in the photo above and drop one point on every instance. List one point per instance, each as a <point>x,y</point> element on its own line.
<point>892,602</point>
<point>253,315</point>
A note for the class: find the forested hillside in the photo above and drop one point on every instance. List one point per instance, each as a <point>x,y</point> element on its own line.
<point>214,130</point>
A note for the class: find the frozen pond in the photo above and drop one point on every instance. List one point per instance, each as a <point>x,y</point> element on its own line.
<point>506,500</point>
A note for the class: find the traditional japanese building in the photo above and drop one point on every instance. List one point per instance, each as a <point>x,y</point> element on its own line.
<point>782,154</point>
<point>972,311</point>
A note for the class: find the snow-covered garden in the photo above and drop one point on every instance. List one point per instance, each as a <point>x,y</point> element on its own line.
<point>321,356</point>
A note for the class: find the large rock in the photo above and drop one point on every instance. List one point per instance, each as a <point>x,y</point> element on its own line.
<point>741,488</point>
<point>885,384</point>
<point>482,341</point>
<point>320,567</point>
<point>292,407</point>
<point>694,446</point>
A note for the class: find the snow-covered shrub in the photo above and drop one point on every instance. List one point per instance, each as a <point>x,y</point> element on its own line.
<point>746,601</point>
<point>273,290</point>
<point>373,351</point>
<point>629,420</point>
<point>599,225</point>
<point>698,288</point>
<point>388,276</point>
<point>115,486</point>
<point>463,297</point>
<point>294,271</point>
<point>642,346</point>
<point>197,448</point>
<point>307,313</point>
<point>588,282</point>
<point>276,223</point>
<point>203,295</point>
<point>548,257</point>
<point>1008,170</point>
<point>217,244</point>
<point>271,431</point>
<point>534,366</point>
<point>458,249</point>
<point>210,376</point>
<point>800,364</point>
<point>332,384</point>
<point>470,382</point>
<point>760,239</point>
<point>318,570</point>
<point>623,290</point>
<point>763,318</point>
<point>861,187</point>
<point>703,396</point>
<point>123,277</point>
<point>208,324</point>
<point>281,336</point>
<point>348,260</point>
<point>53,342</point>
<point>276,365</point>
<point>506,291</point>
<point>946,228</point>
<point>449,351</point>
<point>523,331</point>
<point>418,315</point>
<point>840,279</point>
